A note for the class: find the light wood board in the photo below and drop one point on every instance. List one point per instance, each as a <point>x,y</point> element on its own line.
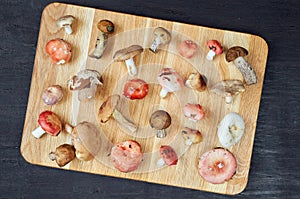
<point>130,30</point>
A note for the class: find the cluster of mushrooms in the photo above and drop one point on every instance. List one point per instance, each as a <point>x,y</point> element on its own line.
<point>127,156</point>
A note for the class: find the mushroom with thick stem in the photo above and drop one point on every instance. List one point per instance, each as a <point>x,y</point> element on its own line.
<point>160,120</point>
<point>196,81</point>
<point>194,112</point>
<point>86,140</point>
<point>52,95</point>
<point>187,49</point>
<point>215,48</point>
<point>49,123</point>
<point>86,83</point>
<point>63,154</point>
<point>59,50</point>
<point>228,89</point>
<point>109,109</point>
<point>191,136</point>
<point>66,22</point>
<point>162,37</point>
<point>170,81</point>
<point>236,54</point>
<point>127,54</point>
<point>106,27</point>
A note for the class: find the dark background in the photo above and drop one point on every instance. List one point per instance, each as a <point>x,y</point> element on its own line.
<point>275,165</point>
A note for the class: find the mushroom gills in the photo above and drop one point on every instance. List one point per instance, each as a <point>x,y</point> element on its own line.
<point>100,46</point>
<point>124,121</point>
<point>246,70</point>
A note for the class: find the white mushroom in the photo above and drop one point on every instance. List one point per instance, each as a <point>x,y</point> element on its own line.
<point>162,36</point>
<point>66,22</point>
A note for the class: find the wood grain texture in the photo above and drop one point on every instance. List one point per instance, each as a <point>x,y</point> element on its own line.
<point>139,30</point>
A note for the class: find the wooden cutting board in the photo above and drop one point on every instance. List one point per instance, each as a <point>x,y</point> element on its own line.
<point>130,29</point>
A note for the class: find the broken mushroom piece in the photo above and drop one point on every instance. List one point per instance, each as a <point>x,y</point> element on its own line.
<point>66,22</point>
<point>109,109</point>
<point>106,27</point>
<point>236,54</point>
<point>228,89</point>
<point>196,81</point>
<point>52,95</point>
<point>86,140</point>
<point>215,48</point>
<point>194,112</point>
<point>170,81</point>
<point>127,54</point>
<point>187,49</point>
<point>59,50</point>
<point>86,83</point>
<point>63,154</point>
<point>168,156</point>
<point>162,37</point>
<point>160,120</point>
<point>191,136</point>
<point>49,123</point>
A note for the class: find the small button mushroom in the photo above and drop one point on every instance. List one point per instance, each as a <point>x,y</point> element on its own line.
<point>109,109</point>
<point>196,81</point>
<point>160,120</point>
<point>49,123</point>
<point>63,154</point>
<point>187,49</point>
<point>168,156</point>
<point>127,54</point>
<point>194,112</point>
<point>191,136</point>
<point>162,37</point>
<point>214,48</point>
<point>52,95</point>
<point>106,27</point>
<point>66,22</point>
<point>228,89</point>
<point>135,89</point>
<point>86,83</point>
<point>170,81</point>
<point>236,54</point>
<point>59,50</point>
<point>86,140</point>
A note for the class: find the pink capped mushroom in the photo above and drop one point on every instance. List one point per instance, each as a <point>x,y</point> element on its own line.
<point>187,49</point>
<point>194,112</point>
<point>215,48</point>
<point>170,81</point>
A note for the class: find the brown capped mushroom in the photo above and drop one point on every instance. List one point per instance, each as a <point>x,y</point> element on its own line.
<point>196,81</point>
<point>109,109</point>
<point>63,154</point>
<point>52,95</point>
<point>162,37</point>
<point>191,136</point>
<point>127,54</point>
<point>160,120</point>
<point>236,54</point>
<point>66,22</point>
<point>228,89</point>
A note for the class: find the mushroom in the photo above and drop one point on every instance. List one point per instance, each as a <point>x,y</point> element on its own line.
<point>228,89</point>
<point>127,54</point>
<point>52,95</point>
<point>109,109</point>
<point>59,50</point>
<point>86,140</point>
<point>49,123</point>
<point>187,49</point>
<point>191,136</point>
<point>66,22</point>
<point>63,154</point>
<point>136,89</point>
<point>214,48</point>
<point>86,82</point>
<point>194,112</point>
<point>160,120</point>
<point>196,81</point>
<point>170,81</point>
<point>162,37</point>
<point>236,54</point>
<point>168,156</point>
<point>106,27</point>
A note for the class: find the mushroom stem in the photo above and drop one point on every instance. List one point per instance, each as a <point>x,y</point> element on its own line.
<point>163,93</point>
<point>161,133</point>
<point>228,99</point>
<point>68,29</point>
<point>160,162</point>
<point>155,44</point>
<point>52,156</point>
<point>62,61</point>
<point>37,133</point>
<point>100,46</point>
<point>246,70</point>
<point>131,68</point>
<point>124,121</point>
<point>210,55</point>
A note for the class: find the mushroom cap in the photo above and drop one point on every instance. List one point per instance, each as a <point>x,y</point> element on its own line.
<point>191,134</point>
<point>187,48</point>
<point>108,107</point>
<point>228,87</point>
<point>59,50</point>
<point>160,120</point>
<point>215,46</point>
<point>106,26</point>
<point>170,80</point>
<point>52,94</point>
<point>65,20</point>
<point>85,79</point>
<point>50,122</point>
<point>127,53</point>
<point>235,52</point>
<point>196,81</point>
<point>193,111</point>
<point>163,34</point>
<point>63,154</point>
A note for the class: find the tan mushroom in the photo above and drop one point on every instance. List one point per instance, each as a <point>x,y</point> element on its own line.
<point>191,136</point>
<point>228,89</point>
<point>162,37</point>
<point>160,120</point>
<point>66,22</point>
<point>63,154</point>
<point>196,81</point>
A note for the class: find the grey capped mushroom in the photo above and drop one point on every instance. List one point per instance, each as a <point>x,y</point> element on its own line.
<point>228,89</point>
<point>191,136</point>
<point>66,22</point>
<point>162,37</point>
<point>160,120</point>
<point>127,55</point>
<point>236,54</point>
<point>196,81</point>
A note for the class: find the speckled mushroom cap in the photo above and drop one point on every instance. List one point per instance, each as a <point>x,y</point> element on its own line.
<point>235,52</point>
<point>160,120</point>
<point>127,53</point>
<point>107,108</point>
<point>106,26</point>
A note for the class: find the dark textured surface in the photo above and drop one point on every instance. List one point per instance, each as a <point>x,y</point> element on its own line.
<point>275,162</point>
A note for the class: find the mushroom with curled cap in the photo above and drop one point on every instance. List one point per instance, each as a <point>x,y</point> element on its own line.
<point>109,109</point>
<point>160,120</point>
<point>197,82</point>
<point>127,55</point>
<point>228,89</point>
<point>215,48</point>
<point>63,154</point>
<point>236,54</point>
<point>162,37</point>
<point>170,81</point>
<point>66,22</point>
<point>191,136</point>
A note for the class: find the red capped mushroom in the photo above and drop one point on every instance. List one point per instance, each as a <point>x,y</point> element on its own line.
<point>194,112</point>
<point>170,81</point>
<point>135,89</point>
<point>59,50</point>
<point>168,156</point>
<point>187,49</point>
<point>214,48</point>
